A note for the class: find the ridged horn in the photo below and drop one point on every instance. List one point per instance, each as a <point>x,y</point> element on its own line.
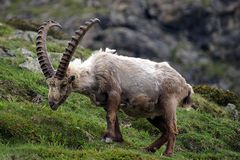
<point>41,49</point>
<point>72,45</point>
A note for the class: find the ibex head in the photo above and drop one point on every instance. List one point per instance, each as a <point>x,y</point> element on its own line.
<point>59,82</point>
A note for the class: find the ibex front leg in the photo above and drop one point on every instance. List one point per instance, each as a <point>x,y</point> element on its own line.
<point>113,131</point>
<point>118,132</point>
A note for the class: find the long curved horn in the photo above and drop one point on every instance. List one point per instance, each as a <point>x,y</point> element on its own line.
<point>72,45</point>
<point>41,49</point>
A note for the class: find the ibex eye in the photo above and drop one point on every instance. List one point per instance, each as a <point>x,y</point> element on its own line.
<point>52,83</point>
<point>63,85</point>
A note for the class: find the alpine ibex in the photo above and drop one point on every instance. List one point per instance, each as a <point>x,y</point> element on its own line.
<point>140,87</point>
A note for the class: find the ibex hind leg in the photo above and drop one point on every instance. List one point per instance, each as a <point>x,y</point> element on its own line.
<point>159,123</point>
<point>167,125</point>
<point>171,139</point>
<point>170,106</point>
<point>168,136</point>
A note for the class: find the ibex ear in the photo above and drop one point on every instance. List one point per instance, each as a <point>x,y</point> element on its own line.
<point>71,79</point>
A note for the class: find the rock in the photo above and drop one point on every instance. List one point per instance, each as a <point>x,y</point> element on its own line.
<point>227,46</point>
<point>93,3</point>
<point>4,4</point>
<point>238,130</point>
<point>22,24</point>
<point>32,25</point>
<point>25,35</point>
<point>38,99</point>
<point>26,53</point>
<point>31,64</point>
<point>39,2</point>
<point>186,54</point>
<point>132,41</point>
<point>4,52</point>
<point>231,108</point>
<point>107,140</point>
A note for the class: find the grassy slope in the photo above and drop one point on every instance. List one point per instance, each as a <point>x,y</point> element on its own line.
<point>33,131</point>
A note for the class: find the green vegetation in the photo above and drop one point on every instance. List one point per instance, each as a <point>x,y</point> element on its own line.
<point>31,130</point>
<point>28,25</point>
<point>219,96</point>
<point>5,30</point>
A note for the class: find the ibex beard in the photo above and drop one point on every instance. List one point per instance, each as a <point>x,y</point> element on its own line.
<point>140,87</point>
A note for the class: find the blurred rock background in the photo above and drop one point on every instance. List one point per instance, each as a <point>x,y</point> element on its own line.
<point>200,38</point>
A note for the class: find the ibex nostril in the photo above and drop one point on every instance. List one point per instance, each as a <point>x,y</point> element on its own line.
<point>51,103</point>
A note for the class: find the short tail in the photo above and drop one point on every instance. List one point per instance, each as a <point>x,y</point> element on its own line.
<point>187,102</point>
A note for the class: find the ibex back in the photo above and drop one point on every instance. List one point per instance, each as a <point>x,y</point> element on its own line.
<point>140,87</point>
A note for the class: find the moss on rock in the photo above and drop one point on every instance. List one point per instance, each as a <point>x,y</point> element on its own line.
<point>29,25</point>
<point>217,95</point>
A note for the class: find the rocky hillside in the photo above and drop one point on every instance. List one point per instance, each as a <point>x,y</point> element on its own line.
<point>29,129</point>
<point>199,37</point>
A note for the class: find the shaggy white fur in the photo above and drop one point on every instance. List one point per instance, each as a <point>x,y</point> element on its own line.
<point>77,64</point>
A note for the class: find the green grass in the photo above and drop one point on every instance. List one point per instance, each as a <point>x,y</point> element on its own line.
<point>5,30</point>
<point>31,130</point>
<point>16,43</point>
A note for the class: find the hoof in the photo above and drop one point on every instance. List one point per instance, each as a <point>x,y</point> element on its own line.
<point>118,139</point>
<point>168,153</point>
<point>110,140</point>
<point>149,150</point>
<point>107,140</point>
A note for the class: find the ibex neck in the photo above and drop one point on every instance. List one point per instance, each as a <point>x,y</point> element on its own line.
<point>84,77</point>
